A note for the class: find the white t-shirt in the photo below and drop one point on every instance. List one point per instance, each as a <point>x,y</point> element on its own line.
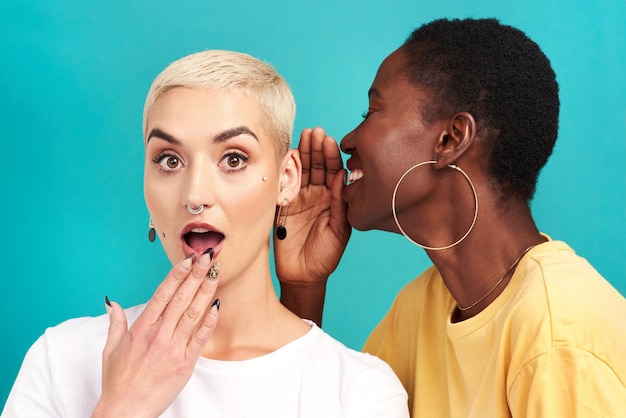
<point>313,376</point>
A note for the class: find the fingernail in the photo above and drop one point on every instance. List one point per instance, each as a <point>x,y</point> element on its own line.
<point>214,271</point>
<point>107,305</point>
<point>215,307</point>
<point>188,261</point>
<point>206,257</point>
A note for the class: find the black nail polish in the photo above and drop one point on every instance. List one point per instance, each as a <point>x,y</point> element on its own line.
<point>192,256</point>
<point>107,301</point>
<point>216,302</point>
<point>210,252</point>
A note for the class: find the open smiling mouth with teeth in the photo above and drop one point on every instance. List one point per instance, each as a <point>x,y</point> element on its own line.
<point>200,239</point>
<point>354,175</point>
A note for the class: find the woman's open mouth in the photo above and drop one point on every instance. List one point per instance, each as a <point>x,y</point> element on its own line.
<point>354,175</point>
<point>200,238</point>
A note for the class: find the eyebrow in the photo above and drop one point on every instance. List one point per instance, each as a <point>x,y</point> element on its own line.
<point>374,92</point>
<point>219,138</point>
<point>162,135</point>
<point>233,132</point>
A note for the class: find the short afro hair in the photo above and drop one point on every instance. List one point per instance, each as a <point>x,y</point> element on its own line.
<point>500,76</point>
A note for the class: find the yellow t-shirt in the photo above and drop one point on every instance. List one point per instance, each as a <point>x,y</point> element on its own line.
<point>553,344</point>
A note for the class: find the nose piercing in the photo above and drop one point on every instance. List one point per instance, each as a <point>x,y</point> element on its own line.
<point>195,211</point>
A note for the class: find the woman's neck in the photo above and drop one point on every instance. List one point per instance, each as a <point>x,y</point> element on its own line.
<point>478,270</point>
<point>252,321</point>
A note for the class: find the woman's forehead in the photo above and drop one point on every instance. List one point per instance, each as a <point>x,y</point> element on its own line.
<point>190,109</point>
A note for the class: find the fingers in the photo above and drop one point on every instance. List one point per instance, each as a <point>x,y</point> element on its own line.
<point>192,298</point>
<point>304,148</point>
<point>118,326</point>
<point>332,161</point>
<point>197,309</point>
<point>163,294</point>
<point>321,158</point>
<point>175,293</point>
<point>318,162</point>
<point>339,209</point>
<point>205,330</point>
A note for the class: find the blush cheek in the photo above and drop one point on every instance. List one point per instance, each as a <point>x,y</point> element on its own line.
<point>162,214</point>
<point>258,207</point>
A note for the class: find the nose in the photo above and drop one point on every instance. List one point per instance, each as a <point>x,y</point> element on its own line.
<point>200,186</point>
<point>348,142</point>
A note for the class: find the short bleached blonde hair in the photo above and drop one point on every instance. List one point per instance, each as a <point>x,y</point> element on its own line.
<point>229,70</point>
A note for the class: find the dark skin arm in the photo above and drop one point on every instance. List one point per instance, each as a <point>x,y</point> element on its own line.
<point>318,230</point>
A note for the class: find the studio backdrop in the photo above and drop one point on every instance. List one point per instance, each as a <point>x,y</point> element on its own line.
<point>73,78</point>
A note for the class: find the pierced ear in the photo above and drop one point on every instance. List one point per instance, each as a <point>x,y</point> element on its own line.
<point>456,140</point>
<point>290,177</point>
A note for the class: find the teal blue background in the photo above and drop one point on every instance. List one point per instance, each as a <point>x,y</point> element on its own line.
<point>73,76</point>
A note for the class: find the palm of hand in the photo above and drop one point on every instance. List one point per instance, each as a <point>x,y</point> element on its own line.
<point>317,237</point>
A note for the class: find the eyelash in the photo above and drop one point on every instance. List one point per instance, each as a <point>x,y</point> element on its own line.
<point>366,114</point>
<point>243,158</point>
<point>159,159</point>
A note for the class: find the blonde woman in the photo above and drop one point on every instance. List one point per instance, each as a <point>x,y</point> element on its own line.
<point>213,340</point>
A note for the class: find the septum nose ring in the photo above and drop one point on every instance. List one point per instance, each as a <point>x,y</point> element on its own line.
<point>195,211</point>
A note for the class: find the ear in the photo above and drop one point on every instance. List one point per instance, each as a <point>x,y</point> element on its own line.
<point>290,177</point>
<point>459,136</point>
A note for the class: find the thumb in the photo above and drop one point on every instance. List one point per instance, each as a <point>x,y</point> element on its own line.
<point>338,208</point>
<point>118,324</point>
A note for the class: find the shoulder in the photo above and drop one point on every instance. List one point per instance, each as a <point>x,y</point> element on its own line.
<point>76,341</point>
<point>593,384</point>
<point>421,305</point>
<point>427,285</point>
<point>351,364</point>
<point>61,372</point>
<point>368,385</point>
<point>85,330</point>
<point>425,295</point>
<point>557,283</point>
<point>562,303</point>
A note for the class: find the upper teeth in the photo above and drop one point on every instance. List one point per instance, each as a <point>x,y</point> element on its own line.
<point>354,176</point>
<point>200,230</point>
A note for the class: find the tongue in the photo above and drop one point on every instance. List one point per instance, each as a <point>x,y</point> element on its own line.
<point>200,242</point>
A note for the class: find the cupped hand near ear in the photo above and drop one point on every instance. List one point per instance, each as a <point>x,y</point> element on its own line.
<point>317,224</point>
<point>145,367</point>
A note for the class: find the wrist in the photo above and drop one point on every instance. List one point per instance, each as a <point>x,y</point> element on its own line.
<point>310,287</point>
<point>105,409</point>
<point>305,299</point>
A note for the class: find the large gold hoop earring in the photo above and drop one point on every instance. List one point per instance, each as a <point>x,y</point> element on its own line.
<point>395,216</point>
